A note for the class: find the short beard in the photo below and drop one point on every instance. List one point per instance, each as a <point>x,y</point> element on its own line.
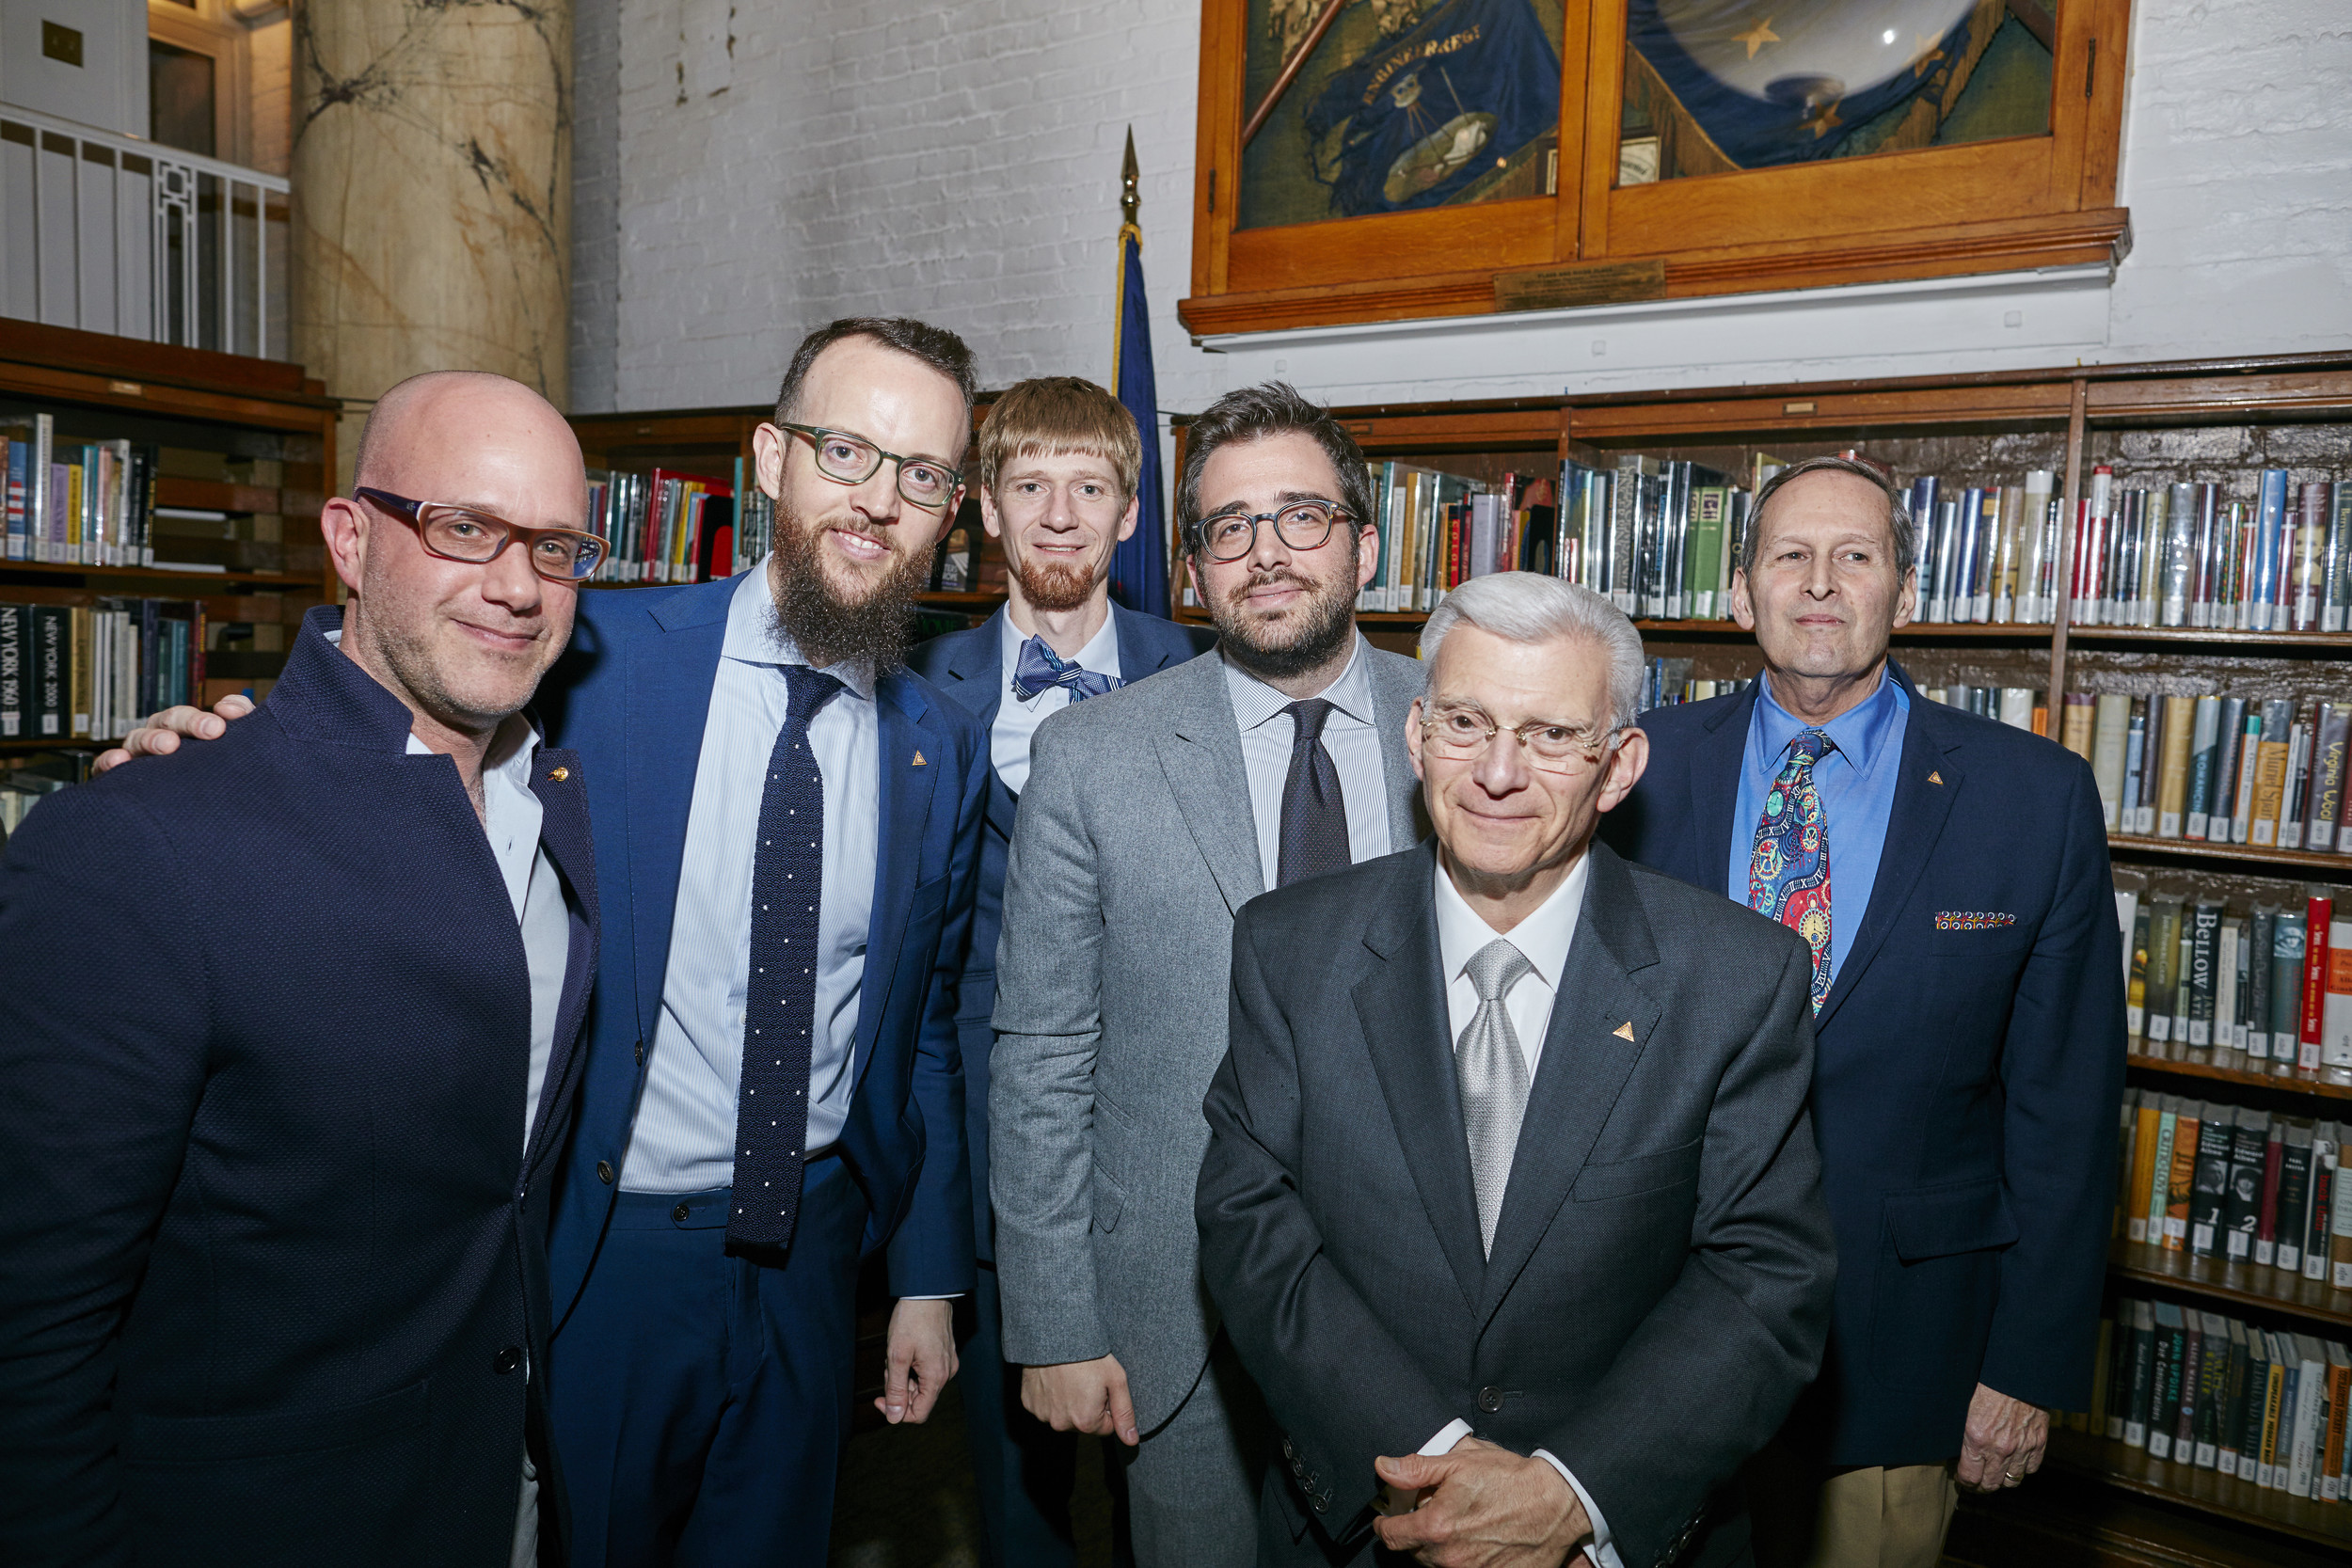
<point>1054,585</point>
<point>810,611</point>
<point>1330,622</point>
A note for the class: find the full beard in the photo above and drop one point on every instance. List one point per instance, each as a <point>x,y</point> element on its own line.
<point>827,627</point>
<point>1328,621</point>
<point>1055,585</point>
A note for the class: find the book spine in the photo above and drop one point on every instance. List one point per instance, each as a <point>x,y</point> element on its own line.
<point>2203,752</point>
<point>2209,1200</point>
<point>2248,1143</point>
<point>2292,1219</point>
<point>2229,744</point>
<point>2205,932</point>
<point>2317,921</point>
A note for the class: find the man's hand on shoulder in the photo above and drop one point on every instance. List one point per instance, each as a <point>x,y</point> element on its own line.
<point>1489,1508</point>
<point>2003,1442</point>
<point>160,735</point>
<point>1081,1396</point>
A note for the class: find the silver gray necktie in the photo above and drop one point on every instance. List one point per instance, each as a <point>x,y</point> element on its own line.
<point>1493,1076</point>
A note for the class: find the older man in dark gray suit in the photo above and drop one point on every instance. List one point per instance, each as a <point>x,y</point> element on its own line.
<point>1151,814</point>
<point>1511,1201</point>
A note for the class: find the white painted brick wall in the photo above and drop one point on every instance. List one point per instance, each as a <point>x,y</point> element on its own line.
<point>961,164</point>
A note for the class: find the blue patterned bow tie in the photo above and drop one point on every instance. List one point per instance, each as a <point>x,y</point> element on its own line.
<point>1039,668</point>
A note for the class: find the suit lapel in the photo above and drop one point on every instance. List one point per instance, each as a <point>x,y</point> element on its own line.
<point>1141,654</point>
<point>975,670</point>
<point>564,833</point>
<point>1401,1007</point>
<point>670,684</point>
<point>1912,829</point>
<point>1715,765</point>
<point>1200,756</point>
<point>906,793</point>
<point>1394,687</point>
<point>1585,1066</point>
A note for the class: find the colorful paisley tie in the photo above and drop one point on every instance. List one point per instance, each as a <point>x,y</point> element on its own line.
<point>1789,870</point>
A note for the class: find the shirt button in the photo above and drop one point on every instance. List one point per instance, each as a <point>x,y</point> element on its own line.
<point>604,1172</point>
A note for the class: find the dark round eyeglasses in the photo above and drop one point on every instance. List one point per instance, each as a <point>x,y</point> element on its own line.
<point>847,459</point>
<point>1302,526</point>
<point>470,535</point>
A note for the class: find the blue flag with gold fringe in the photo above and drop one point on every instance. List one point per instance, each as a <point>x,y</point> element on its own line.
<point>1430,112</point>
<point>1139,565</point>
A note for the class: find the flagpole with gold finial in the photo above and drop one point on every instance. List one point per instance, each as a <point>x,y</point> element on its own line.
<point>1129,203</point>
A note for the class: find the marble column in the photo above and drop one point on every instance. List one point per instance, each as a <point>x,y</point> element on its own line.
<point>432,194</point>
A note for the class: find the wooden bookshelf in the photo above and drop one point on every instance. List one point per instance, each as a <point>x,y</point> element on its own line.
<point>251,439</point>
<point>2112,1506</point>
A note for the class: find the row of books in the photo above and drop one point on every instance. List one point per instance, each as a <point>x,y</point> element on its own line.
<point>1668,681</point>
<point>2022,707</point>
<point>2180,556</point>
<point>2217,1181</point>
<point>89,503</point>
<point>1986,554</point>
<point>71,673</point>
<point>2213,1392</point>
<point>1439,530</point>
<point>1658,536</point>
<point>2269,772</point>
<point>2270,984</point>
<point>20,791</point>
<point>662,527</point>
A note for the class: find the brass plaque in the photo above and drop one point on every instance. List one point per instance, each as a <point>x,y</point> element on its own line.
<point>1593,283</point>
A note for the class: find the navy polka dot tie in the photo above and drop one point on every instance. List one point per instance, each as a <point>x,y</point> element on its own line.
<point>780,1001</point>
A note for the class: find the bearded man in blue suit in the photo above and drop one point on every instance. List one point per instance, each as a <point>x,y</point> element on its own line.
<point>1056,464</point>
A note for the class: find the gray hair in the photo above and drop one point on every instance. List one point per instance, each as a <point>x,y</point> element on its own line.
<point>1899,526</point>
<point>1528,606</point>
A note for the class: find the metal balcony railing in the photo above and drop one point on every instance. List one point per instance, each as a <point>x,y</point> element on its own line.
<point>109,233</point>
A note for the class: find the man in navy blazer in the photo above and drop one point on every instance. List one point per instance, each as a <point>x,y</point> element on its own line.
<point>289,1025</point>
<point>1968,1012</point>
<point>1057,462</point>
<point>702,1366</point>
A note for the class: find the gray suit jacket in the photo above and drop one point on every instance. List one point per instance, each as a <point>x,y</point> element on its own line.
<point>1134,847</point>
<point>1661,1280</point>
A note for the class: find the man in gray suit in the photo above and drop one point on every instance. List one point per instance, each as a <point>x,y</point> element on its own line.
<point>1511,1201</point>
<point>1151,814</point>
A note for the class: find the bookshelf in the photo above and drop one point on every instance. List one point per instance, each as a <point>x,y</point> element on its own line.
<point>2210,420</point>
<point>244,458</point>
<point>717,441</point>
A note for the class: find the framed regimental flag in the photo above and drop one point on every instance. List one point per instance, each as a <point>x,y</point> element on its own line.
<point>1368,159</point>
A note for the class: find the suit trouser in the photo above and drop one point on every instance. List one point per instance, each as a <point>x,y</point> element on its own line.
<point>1023,1469</point>
<point>1193,1482</point>
<point>1868,1518</point>
<point>700,1403</point>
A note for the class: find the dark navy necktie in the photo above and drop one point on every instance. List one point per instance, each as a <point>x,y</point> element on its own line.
<point>1040,669</point>
<point>780,999</point>
<point>1314,814</point>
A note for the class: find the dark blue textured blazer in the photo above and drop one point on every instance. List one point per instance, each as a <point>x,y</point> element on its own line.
<point>1965,1074</point>
<point>631,695</point>
<point>270,1246</point>
<point>968,667</point>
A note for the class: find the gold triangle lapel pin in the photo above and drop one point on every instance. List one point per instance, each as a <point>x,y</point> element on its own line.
<point>1624,1031</point>
<point>918,760</point>
<point>1934,778</point>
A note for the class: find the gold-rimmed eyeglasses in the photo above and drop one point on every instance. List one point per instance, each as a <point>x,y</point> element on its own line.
<point>1461,732</point>
<point>1301,525</point>
<point>476,537</point>
<point>847,459</point>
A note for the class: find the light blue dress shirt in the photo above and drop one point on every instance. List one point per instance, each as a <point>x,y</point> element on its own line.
<point>1350,739</point>
<point>1018,717</point>
<point>1857,787</point>
<point>683,1140</point>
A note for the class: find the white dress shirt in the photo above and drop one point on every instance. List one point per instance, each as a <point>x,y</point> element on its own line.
<point>1018,717</point>
<point>683,1140</point>
<point>1350,737</point>
<point>1543,939</point>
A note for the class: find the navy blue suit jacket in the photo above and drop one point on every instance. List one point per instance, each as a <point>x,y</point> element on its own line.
<point>631,695</point>
<point>968,667</point>
<point>1965,1074</point>
<point>275,1248</point>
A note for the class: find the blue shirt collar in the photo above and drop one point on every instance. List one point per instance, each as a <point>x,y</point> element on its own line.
<point>1861,734</point>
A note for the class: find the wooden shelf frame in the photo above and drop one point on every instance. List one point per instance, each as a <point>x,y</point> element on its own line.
<point>2119,1464</point>
<point>2293,1082</point>
<point>2252,1285</point>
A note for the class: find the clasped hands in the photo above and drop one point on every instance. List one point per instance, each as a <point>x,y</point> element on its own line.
<point>1481,1506</point>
